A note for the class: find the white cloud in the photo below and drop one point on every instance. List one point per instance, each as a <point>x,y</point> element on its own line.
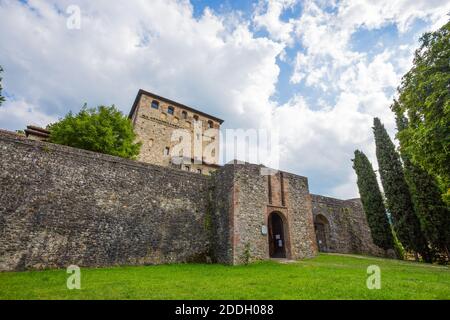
<point>14,113</point>
<point>374,14</point>
<point>211,62</point>
<point>322,140</point>
<point>216,63</point>
<point>326,34</point>
<point>268,15</point>
<point>362,85</point>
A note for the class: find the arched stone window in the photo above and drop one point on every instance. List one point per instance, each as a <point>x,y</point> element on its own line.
<point>155,104</point>
<point>171,110</point>
<point>184,115</point>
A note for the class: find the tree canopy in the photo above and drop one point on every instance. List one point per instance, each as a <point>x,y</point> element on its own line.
<point>104,129</point>
<point>424,98</point>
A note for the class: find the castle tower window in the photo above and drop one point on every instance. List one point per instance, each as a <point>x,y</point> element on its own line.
<point>210,124</point>
<point>199,171</point>
<point>170,110</point>
<point>196,118</point>
<point>155,104</point>
<point>184,115</point>
<point>166,151</point>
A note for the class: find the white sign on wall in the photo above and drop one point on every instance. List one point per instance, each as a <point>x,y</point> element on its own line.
<point>264,230</point>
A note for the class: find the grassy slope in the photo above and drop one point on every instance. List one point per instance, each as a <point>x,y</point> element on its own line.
<point>324,277</point>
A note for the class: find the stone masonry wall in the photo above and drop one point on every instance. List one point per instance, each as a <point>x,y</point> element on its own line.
<point>250,209</point>
<point>62,206</point>
<point>221,210</point>
<point>300,210</point>
<point>154,129</point>
<point>250,203</point>
<point>348,230</point>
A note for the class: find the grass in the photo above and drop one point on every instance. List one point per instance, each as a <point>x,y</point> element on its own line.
<point>324,277</point>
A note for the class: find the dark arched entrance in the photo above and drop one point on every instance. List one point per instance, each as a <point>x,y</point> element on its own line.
<point>277,243</point>
<point>322,228</point>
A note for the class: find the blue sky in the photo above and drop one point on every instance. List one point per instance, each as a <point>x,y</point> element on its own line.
<point>316,70</point>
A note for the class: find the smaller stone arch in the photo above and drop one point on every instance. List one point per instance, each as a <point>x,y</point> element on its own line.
<point>322,229</point>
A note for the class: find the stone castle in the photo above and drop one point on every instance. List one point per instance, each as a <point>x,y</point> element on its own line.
<point>61,206</point>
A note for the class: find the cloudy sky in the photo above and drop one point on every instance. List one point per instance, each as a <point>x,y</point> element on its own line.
<point>318,70</point>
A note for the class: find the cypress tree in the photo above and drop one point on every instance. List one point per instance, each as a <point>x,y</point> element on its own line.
<point>1,97</point>
<point>372,201</point>
<point>398,198</point>
<point>433,213</point>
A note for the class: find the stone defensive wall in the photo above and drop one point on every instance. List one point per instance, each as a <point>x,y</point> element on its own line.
<point>61,206</point>
<point>245,199</point>
<point>345,226</point>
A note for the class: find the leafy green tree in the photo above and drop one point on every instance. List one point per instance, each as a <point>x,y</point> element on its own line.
<point>424,97</point>
<point>433,213</point>
<point>398,199</point>
<point>1,97</point>
<point>372,201</point>
<point>104,130</point>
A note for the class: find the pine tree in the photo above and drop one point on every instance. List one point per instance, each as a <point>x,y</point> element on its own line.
<point>399,202</point>
<point>433,213</point>
<point>372,201</point>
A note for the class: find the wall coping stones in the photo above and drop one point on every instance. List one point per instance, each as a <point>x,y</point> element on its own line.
<point>76,153</point>
<point>332,201</point>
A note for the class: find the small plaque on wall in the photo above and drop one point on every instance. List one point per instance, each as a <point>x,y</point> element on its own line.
<point>264,230</point>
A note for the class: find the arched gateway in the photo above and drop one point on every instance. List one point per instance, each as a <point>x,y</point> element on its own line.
<point>322,228</point>
<point>277,243</point>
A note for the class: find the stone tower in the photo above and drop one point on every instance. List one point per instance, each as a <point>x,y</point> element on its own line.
<point>175,135</point>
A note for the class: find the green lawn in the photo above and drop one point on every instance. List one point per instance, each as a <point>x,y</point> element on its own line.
<point>324,277</point>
